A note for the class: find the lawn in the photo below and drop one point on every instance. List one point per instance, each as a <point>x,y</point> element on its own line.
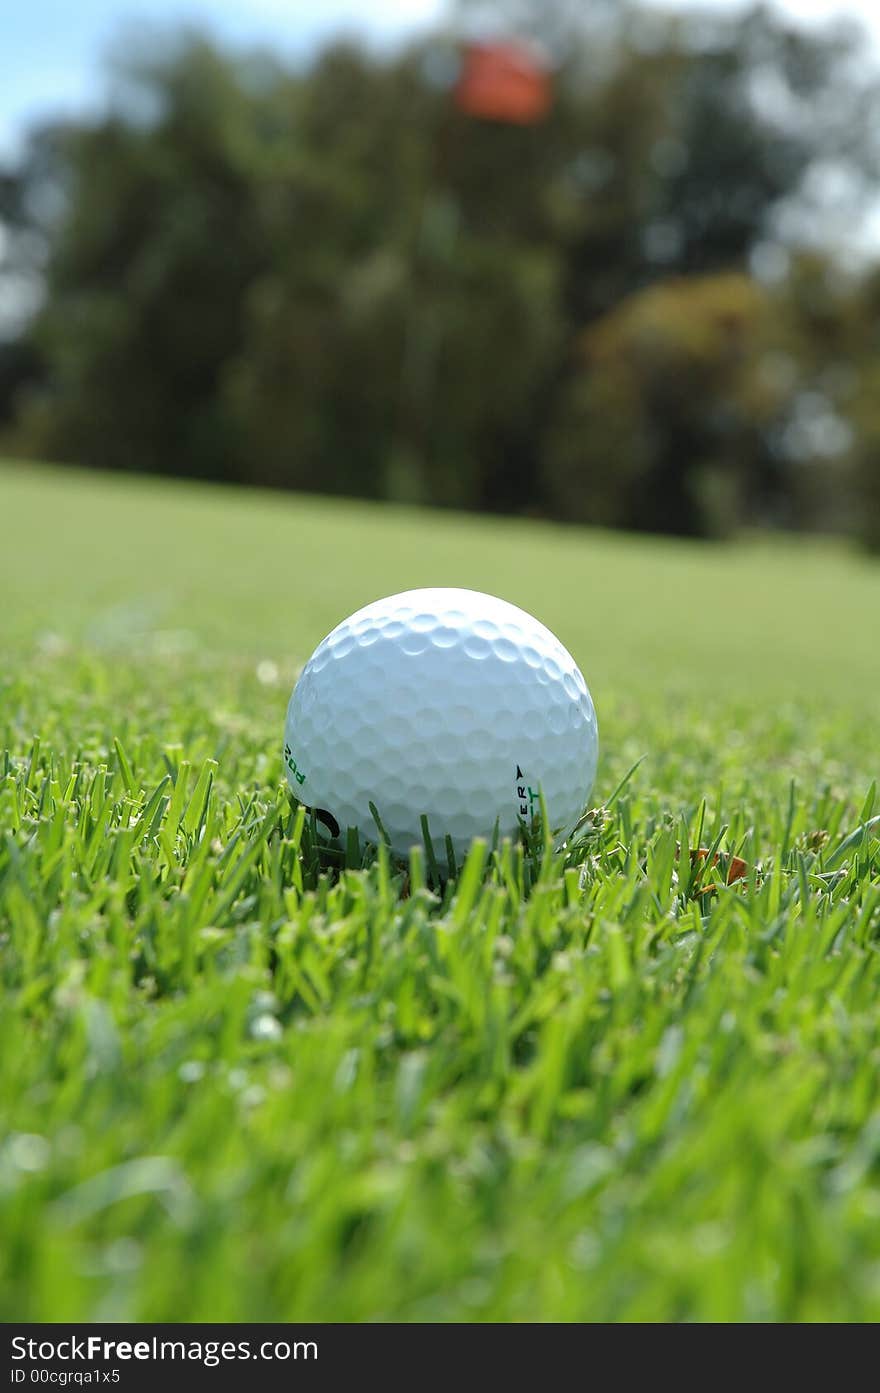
<point>598,1084</point>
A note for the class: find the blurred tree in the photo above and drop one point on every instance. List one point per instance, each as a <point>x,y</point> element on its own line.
<point>697,141</point>
<point>682,140</point>
<point>820,351</point>
<point>867,496</point>
<point>662,428</point>
<point>332,278</point>
<point>859,384</point>
<point>156,239</point>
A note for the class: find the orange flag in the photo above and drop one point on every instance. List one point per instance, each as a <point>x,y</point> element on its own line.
<point>503,82</point>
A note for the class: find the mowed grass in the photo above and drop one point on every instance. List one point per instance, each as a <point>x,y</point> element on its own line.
<point>585,1084</point>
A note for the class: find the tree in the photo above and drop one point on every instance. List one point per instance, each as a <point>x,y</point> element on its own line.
<point>661,429</point>
<point>329,277</point>
<point>154,246</point>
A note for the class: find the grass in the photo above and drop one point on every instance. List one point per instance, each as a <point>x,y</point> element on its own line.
<point>584,1086</point>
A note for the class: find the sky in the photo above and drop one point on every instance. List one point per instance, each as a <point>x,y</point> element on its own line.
<point>52,51</point>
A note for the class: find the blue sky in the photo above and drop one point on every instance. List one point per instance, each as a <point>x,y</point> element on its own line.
<point>52,51</point>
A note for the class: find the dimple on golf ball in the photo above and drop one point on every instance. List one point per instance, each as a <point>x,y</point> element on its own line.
<point>445,703</point>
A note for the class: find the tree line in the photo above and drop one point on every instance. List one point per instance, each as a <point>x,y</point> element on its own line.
<point>329,277</point>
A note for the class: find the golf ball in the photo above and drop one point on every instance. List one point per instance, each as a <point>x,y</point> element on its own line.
<point>444,703</point>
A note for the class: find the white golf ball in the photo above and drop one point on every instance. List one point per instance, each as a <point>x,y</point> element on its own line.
<point>447,703</point>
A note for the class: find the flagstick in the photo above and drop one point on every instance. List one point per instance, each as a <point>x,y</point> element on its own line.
<point>411,443</point>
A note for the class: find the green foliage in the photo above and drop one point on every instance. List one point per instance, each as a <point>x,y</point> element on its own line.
<point>704,402</point>
<point>663,425</point>
<point>860,386</point>
<point>329,277</point>
<point>869,460</point>
<point>566,1086</point>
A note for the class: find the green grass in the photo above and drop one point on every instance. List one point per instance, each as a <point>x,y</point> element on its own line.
<point>238,1086</point>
